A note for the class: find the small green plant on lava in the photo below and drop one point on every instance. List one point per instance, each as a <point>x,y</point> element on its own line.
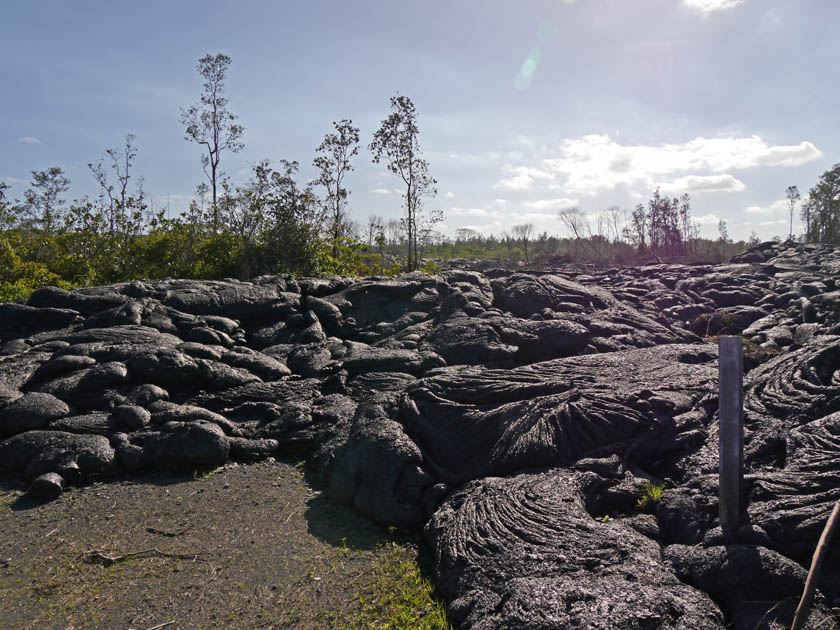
<point>652,494</point>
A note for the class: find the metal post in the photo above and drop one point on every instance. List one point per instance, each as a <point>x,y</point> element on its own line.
<point>731,383</point>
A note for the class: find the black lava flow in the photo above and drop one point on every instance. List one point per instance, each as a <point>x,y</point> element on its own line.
<point>517,417</point>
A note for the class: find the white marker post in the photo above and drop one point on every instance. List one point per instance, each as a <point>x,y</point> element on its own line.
<point>731,384</point>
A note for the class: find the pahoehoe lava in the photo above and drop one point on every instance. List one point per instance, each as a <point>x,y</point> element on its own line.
<point>516,417</point>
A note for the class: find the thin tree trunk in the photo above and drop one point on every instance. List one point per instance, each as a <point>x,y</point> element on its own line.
<point>804,608</point>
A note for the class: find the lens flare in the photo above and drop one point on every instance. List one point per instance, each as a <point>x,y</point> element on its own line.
<point>527,70</point>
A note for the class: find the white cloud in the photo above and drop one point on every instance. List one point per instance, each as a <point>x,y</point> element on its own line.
<point>780,205</point>
<point>704,183</point>
<point>540,216</point>
<point>474,212</point>
<point>450,195</point>
<point>473,159</point>
<point>489,228</point>
<point>776,222</point>
<point>596,162</point>
<point>28,140</point>
<point>708,6</point>
<point>520,182</point>
<point>501,202</point>
<point>15,180</point>
<point>381,191</point>
<point>524,177</point>
<point>707,219</point>
<point>530,171</point>
<point>551,204</point>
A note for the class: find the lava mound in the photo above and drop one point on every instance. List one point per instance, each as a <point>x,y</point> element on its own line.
<point>553,432</point>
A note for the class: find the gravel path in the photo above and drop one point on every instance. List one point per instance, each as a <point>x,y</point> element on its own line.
<point>240,547</point>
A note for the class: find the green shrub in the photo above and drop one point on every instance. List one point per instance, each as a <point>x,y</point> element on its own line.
<point>19,278</point>
<point>652,494</point>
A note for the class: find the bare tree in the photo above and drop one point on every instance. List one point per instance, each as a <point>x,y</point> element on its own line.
<point>394,231</point>
<point>352,229</point>
<point>578,224</point>
<point>333,162</point>
<point>118,200</point>
<point>601,237</point>
<point>210,124</point>
<point>523,232</point>
<point>613,214</point>
<point>723,239</point>
<point>466,234</point>
<point>397,141</point>
<point>375,225</point>
<point>793,196</point>
<point>685,219</point>
<point>426,233</point>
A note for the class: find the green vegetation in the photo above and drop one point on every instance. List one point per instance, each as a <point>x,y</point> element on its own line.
<point>206,472</point>
<point>821,213</point>
<point>396,142</point>
<point>274,223</point>
<point>396,596</point>
<point>652,494</point>
<point>6,500</point>
<point>269,225</point>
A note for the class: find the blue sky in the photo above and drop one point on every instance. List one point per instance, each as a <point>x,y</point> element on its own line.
<point>525,108</point>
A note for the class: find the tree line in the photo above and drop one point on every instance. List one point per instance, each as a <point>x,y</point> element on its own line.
<point>661,229</point>
<point>276,223</point>
<point>820,213</point>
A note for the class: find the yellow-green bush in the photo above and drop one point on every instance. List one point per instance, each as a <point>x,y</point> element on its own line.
<point>18,277</point>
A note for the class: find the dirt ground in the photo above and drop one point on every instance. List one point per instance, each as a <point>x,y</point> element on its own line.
<point>244,546</point>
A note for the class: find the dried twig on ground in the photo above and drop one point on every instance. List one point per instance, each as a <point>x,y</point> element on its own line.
<point>106,560</point>
<point>164,532</point>
<point>159,626</point>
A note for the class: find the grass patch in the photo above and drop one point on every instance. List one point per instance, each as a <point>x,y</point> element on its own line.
<point>6,500</point>
<point>396,596</point>
<point>205,472</point>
